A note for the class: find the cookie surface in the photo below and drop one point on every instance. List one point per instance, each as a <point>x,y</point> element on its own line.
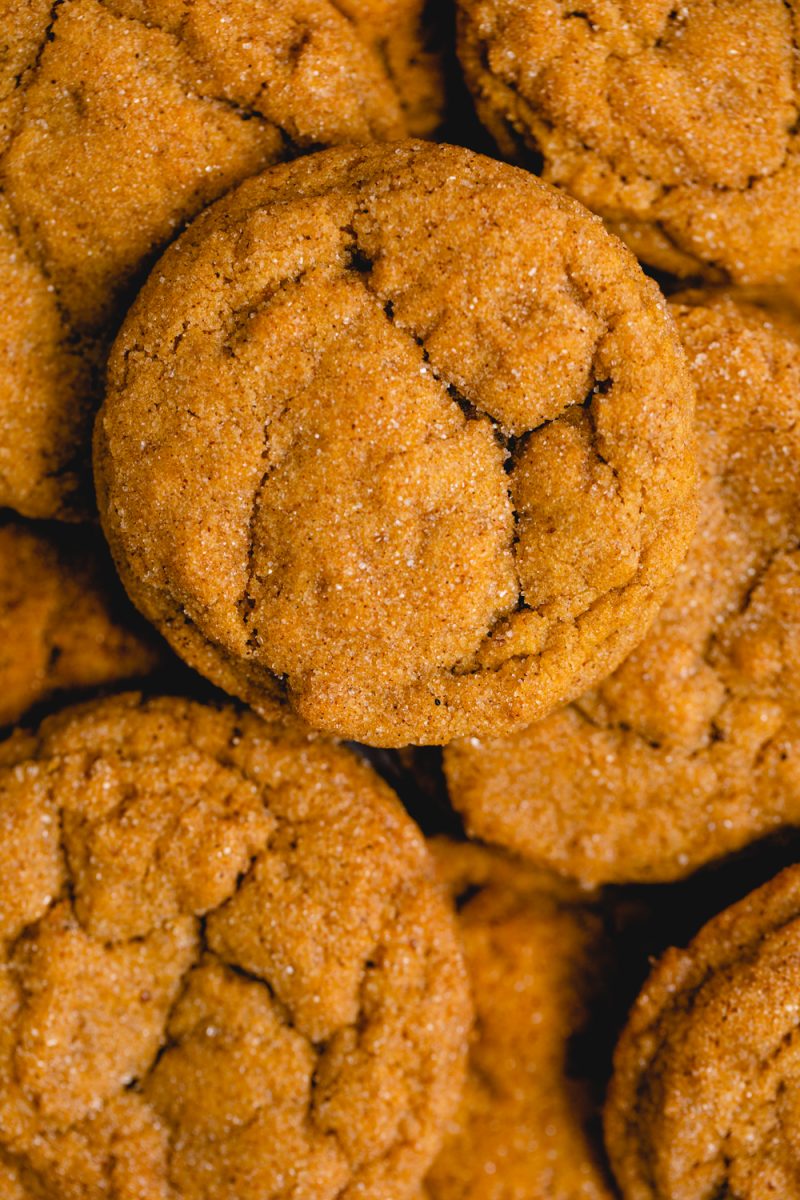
<point>119,120</point>
<point>535,954</point>
<point>703,1101</point>
<point>65,622</point>
<point>227,969</point>
<point>678,123</point>
<point>401,437</point>
<point>692,748</point>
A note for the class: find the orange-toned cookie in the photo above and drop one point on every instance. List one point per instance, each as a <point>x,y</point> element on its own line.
<point>535,953</point>
<point>704,1097</point>
<point>400,437</point>
<point>65,622</point>
<point>692,748</point>
<point>678,122</point>
<point>227,971</point>
<point>119,120</point>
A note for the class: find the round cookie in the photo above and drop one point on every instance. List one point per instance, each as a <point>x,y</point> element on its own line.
<point>65,622</point>
<point>692,748</point>
<point>121,119</point>
<point>535,954</point>
<point>678,123</point>
<point>704,1097</point>
<point>227,971</point>
<point>401,437</point>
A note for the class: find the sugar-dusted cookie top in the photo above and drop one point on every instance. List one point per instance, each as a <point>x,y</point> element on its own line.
<point>691,749</point>
<point>678,122</point>
<point>527,1127</point>
<point>227,971</point>
<point>401,437</point>
<point>703,1101</point>
<point>121,119</point>
<point>65,622</point>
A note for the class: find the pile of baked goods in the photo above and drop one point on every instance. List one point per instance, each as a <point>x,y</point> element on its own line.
<point>400,394</point>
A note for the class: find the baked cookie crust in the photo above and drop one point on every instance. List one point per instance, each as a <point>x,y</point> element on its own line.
<point>402,438</point>
<point>227,970</point>
<point>691,749</point>
<point>536,951</point>
<point>703,1097</point>
<point>121,119</point>
<point>678,123</point>
<point>65,621</point>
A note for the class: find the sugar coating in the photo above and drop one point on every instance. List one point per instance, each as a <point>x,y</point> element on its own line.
<point>535,953</point>
<point>677,122</point>
<point>692,748</point>
<point>119,120</point>
<point>65,622</point>
<point>227,971</point>
<point>703,1100</point>
<point>400,437</point>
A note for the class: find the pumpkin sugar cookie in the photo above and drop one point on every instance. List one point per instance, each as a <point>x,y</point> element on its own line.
<point>703,1100</point>
<point>121,119</point>
<point>65,622</point>
<point>678,123</point>
<point>227,971</point>
<point>535,953</point>
<point>402,438</point>
<point>691,749</point>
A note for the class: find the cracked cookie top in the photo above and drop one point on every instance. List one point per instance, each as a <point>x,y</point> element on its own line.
<point>65,622</point>
<point>401,437</point>
<point>692,748</point>
<point>527,1127</point>
<point>121,119</point>
<point>704,1097</point>
<point>226,968</point>
<point>678,122</point>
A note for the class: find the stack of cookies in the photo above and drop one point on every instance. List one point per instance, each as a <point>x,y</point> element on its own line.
<point>367,458</point>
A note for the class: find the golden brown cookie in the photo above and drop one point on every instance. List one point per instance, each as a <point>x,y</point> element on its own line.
<point>535,953</point>
<point>401,437</point>
<point>692,748</point>
<point>119,120</point>
<point>226,968</point>
<point>65,622</point>
<point>678,123</point>
<point>704,1097</point>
